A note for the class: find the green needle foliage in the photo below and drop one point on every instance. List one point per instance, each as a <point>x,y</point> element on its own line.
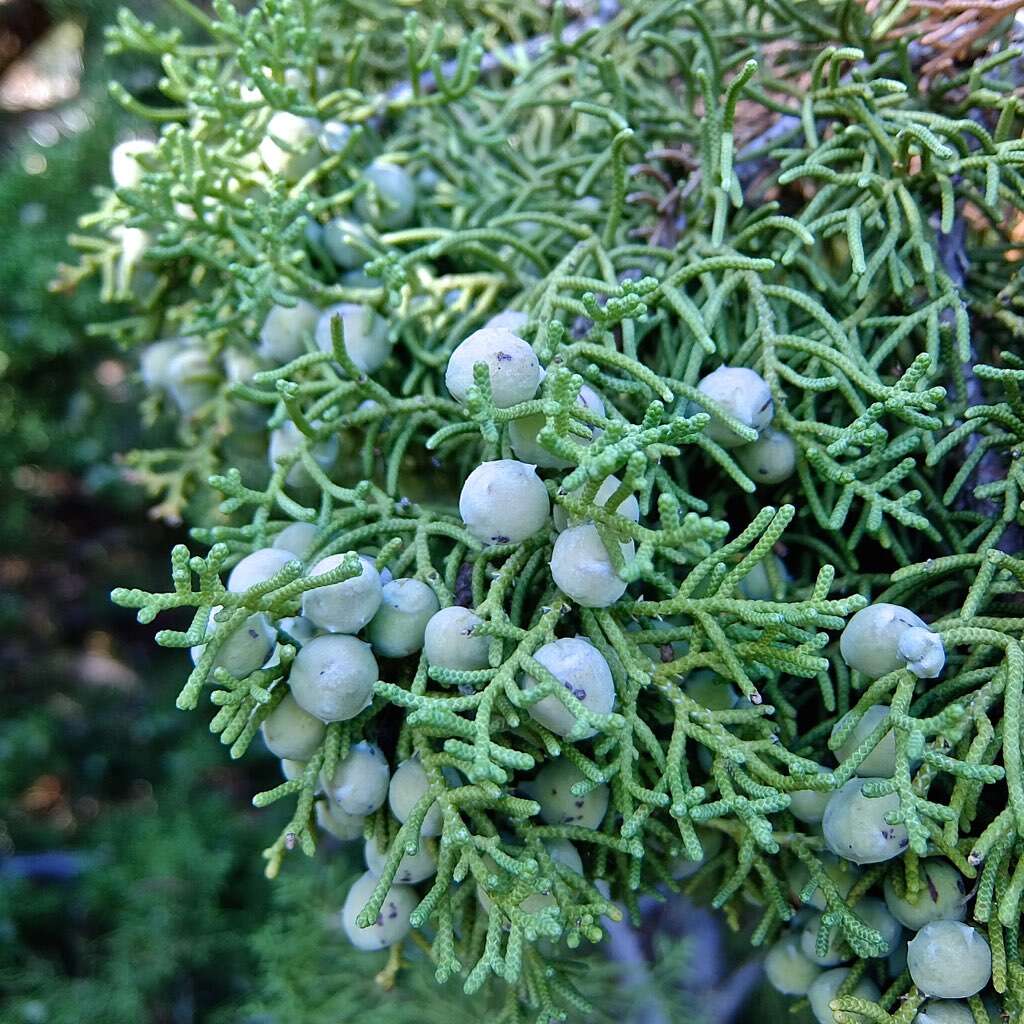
<point>660,190</point>
<point>308,971</point>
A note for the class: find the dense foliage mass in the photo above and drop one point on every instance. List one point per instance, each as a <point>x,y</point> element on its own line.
<point>618,432</point>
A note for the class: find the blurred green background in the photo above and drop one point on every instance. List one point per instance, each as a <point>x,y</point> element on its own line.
<point>129,869</point>
<point>131,885</point>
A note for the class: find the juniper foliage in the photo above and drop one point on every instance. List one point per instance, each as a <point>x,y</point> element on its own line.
<point>662,190</point>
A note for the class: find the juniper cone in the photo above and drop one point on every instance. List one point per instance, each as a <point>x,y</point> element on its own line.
<point>748,275</point>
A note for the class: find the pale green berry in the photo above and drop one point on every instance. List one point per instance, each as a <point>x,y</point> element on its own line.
<point>896,963</point>
<point>249,173</point>
<point>134,243</point>
<point>397,630</point>
<point>346,242</point>
<point>298,628</point>
<point>711,844</point>
<point>289,147</point>
<point>313,232</point>
<point>292,770</point>
<point>949,960</point>
<point>835,953</point>
<point>944,1011</point>
<point>299,79</point>
<point>428,179</point>
<point>522,437</point>
<point>240,367</point>
<point>824,988</point>
<point>561,851</point>
<point>875,914</point>
<point>881,762</point>
<point>365,333</point>
<point>582,568</point>
<point>504,502</point>
<point>711,691</point>
<point>942,895</point>
<point>581,668</point>
<point>522,433</point>
<point>841,873</point>
<point>332,677</point>
<point>392,924</point>
<point>787,969</point>
<point>855,826</point>
<point>297,539</point>
<point>344,607</point>
<point>155,361</point>
<point>286,330</point>
<point>511,362</point>
<point>884,637</point>
<point>924,652</point>
<point>256,568</point>
<point>526,228</point>
<point>334,136</point>
<point>513,320</point>
<point>412,868</point>
<point>245,650</point>
<point>191,379</point>
<point>629,507</point>
<point>292,733</point>
<point>808,805</point>
<point>449,640</point>
<point>743,394</point>
<point>359,279</point>
<point>408,784</point>
<point>359,784</point>
<point>770,459</point>
<point>391,201</point>
<point>287,439</point>
<point>757,584</point>
<point>125,169</point>
<point>552,789</point>
<point>336,822</point>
